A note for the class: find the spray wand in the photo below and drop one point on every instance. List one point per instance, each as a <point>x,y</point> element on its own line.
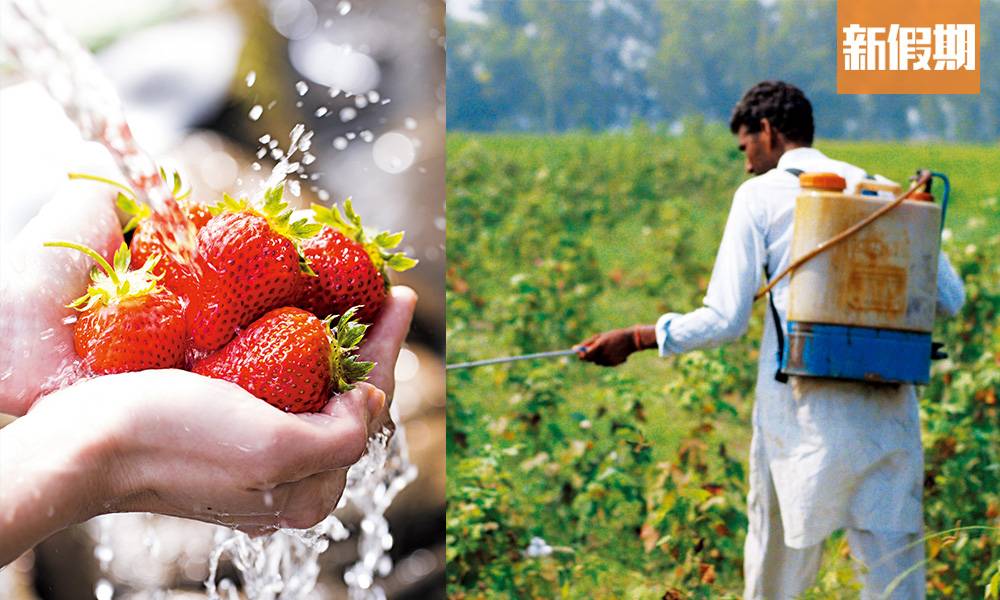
<point>507,359</point>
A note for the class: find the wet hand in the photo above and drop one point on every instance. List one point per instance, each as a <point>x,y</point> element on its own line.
<point>176,443</point>
<point>36,283</point>
<point>382,344</point>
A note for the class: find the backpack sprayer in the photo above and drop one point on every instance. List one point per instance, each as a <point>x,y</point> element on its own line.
<point>863,308</point>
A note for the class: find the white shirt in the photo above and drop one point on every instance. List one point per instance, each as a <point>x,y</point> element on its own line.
<point>841,454</point>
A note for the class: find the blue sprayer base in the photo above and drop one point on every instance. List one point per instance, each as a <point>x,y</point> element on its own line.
<point>857,353</point>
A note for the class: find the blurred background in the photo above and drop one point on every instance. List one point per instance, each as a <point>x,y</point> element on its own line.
<point>551,66</point>
<point>209,87</point>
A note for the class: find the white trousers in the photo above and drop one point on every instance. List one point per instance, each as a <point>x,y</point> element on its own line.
<point>774,571</point>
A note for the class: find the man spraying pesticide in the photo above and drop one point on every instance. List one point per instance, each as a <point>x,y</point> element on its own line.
<point>836,432</point>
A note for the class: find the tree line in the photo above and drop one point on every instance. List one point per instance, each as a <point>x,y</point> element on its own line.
<point>541,65</point>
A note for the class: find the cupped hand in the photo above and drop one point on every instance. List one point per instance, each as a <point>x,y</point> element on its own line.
<point>176,443</point>
<point>36,283</point>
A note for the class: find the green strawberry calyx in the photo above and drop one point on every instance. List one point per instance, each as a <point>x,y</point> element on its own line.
<point>128,201</point>
<point>111,284</point>
<point>379,247</point>
<point>278,215</point>
<point>345,368</point>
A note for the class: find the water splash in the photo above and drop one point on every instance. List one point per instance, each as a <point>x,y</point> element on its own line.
<point>44,50</point>
<point>285,564</point>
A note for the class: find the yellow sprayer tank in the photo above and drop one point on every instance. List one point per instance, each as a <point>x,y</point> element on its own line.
<point>873,293</point>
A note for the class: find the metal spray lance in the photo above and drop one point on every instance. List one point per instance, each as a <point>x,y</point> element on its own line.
<point>507,359</point>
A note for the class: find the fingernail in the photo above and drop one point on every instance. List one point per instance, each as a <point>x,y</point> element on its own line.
<point>376,401</point>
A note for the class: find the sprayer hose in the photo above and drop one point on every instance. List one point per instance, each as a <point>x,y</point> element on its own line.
<point>843,235</point>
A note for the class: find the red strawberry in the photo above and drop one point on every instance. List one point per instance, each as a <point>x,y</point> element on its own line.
<point>128,321</point>
<point>248,262</point>
<point>170,235</point>
<point>350,266</point>
<point>291,360</point>
<point>175,264</point>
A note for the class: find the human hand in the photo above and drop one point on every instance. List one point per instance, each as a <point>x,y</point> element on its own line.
<point>382,344</point>
<point>36,283</point>
<point>612,348</point>
<point>177,443</point>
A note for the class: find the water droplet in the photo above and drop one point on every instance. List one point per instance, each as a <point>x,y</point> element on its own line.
<point>301,87</point>
<point>393,152</point>
<point>295,188</point>
<point>264,138</point>
<point>277,153</point>
<point>321,111</point>
<point>308,159</point>
<point>351,135</point>
<point>256,112</point>
<point>334,92</point>
<point>410,123</point>
<point>272,144</point>
<point>104,590</point>
<point>298,104</point>
<point>373,96</point>
<point>251,77</point>
<point>367,136</point>
<point>339,143</point>
<point>343,7</point>
<point>255,166</point>
<point>361,102</point>
<point>323,195</point>
<point>104,553</point>
<point>47,333</point>
<point>262,152</point>
<point>347,113</point>
<point>268,498</point>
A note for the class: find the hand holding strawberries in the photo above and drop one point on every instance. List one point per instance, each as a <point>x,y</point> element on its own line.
<point>36,284</point>
<point>166,440</point>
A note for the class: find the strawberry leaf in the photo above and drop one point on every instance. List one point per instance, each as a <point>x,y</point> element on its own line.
<point>112,284</point>
<point>345,367</point>
<point>378,247</point>
<point>122,258</point>
<point>400,262</point>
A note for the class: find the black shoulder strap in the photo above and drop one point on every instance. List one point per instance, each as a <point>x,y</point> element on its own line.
<point>779,375</point>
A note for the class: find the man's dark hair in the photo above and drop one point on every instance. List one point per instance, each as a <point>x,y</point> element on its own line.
<point>782,104</point>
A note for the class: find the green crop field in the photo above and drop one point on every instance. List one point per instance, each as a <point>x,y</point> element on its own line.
<point>634,477</point>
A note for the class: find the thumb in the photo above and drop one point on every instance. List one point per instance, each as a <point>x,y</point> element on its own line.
<point>384,339</point>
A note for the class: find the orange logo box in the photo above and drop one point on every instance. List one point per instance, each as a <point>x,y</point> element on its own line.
<point>908,47</point>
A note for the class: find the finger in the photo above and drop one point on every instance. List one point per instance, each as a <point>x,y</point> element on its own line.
<point>594,348</point>
<point>312,499</point>
<point>375,400</point>
<point>337,436</point>
<point>384,339</point>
